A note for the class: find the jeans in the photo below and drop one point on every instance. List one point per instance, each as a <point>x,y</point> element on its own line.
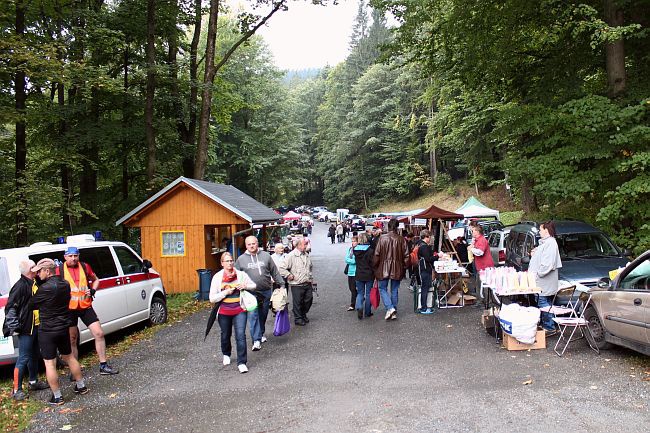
<point>363,296</point>
<point>257,318</point>
<point>302,296</point>
<point>27,358</point>
<point>547,318</point>
<point>226,324</point>
<point>424,289</point>
<point>352,285</point>
<point>390,301</point>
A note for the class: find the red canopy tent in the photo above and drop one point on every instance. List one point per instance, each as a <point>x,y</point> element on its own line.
<point>291,216</point>
<point>434,213</point>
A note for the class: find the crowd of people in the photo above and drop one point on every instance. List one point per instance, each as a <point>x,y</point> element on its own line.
<point>43,311</point>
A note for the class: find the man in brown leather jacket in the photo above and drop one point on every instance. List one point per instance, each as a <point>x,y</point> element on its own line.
<point>390,261</point>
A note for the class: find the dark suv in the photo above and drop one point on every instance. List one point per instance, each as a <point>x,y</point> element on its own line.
<point>587,253</point>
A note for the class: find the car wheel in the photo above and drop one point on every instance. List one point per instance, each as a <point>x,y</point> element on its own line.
<point>597,330</point>
<point>157,311</point>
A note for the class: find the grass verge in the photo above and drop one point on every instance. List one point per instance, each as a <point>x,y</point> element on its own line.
<point>15,416</point>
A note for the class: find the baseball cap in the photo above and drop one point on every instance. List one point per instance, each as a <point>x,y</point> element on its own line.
<point>44,263</point>
<point>71,250</point>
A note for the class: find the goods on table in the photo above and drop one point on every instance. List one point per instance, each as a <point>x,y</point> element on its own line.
<point>507,280</point>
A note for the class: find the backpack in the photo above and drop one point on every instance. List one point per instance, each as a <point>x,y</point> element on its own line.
<point>414,255</point>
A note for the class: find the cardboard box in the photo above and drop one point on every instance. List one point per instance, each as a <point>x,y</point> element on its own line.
<point>511,343</point>
<point>454,297</point>
<point>469,299</point>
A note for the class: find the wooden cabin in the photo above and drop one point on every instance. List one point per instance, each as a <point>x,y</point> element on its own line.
<point>189,224</point>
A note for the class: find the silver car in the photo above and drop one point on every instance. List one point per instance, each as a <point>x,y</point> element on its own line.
<point>620,310</point>
<point>497,242</point>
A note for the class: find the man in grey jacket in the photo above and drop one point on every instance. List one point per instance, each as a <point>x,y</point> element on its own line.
<point>261,268</point>
<point>297,268</point>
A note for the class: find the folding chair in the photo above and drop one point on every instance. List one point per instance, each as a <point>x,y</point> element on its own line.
<point>559,310</point>
<point>575,323</point>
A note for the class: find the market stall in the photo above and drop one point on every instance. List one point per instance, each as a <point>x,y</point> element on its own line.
<point>473,208</point>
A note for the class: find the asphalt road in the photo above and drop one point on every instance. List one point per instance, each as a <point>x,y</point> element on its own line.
<point>338,374</point>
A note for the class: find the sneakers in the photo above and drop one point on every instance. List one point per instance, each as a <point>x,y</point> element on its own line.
<point>390,314</point>
<point>83,390</point>
<point>393,316</point>
<point>107,370</point>
<point>38,386</point>
<point>19,395</point>
<point>226,360</point>
<point>56,401</point>
<point>425,311</point>
<point>350,308</point>
<point>264,339</point>
<point>256,346</point>
<point>242,368</point>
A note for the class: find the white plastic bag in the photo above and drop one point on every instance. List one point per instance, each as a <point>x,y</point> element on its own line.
<point>247,301</point>
<point>520,322</point>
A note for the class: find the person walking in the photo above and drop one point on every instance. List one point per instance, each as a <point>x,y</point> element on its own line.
<point>426,257</point>
<point>20,319</point>
<point>278,257</point>
<point>351,268</point>
<point>364,275</point>
<point>390,261</point>
<point>298,271</point>
<point>226,287</point>
<point>331,232</point>
<point>261,268</point>
<point>544,264</point>
<point>52,300</point>
<point>339,232</point>
<point>83,285</point>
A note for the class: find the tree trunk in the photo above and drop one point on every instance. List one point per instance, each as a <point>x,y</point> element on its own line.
<point>21,136</point>
<point>151,88</point>
<point>126,120</point>
<point>528,201</point>
<point>201,159</point>
<point>614,52</point>
<point>189,139</point>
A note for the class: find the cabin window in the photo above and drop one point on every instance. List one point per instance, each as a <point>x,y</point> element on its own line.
<point>172,243</point>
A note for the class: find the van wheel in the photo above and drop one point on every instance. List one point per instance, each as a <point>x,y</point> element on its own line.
<point>597,330</point>
<point>157,311</point>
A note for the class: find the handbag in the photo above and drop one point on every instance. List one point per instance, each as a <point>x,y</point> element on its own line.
<point>347,267</point>
<point>247,301</point>
<point>282,323</point>
<point>374,295</point>
<point>279,299</point>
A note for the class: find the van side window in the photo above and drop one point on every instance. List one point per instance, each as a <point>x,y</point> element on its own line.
<point>129,262</point>
<point>100,260</point>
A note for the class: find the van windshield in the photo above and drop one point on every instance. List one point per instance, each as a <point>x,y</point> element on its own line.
<point>586,245</point>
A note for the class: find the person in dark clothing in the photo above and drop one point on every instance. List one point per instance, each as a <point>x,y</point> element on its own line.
<point>376,234</point>
<point>331,232</point>
<point>20,319</point>
<point>364,275</point>
<point>426,257</point>
<point>52,300</point>
<point>460,244</point>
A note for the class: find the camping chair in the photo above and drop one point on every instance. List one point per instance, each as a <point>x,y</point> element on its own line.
<point>559,310</point>
<point>574,323</point>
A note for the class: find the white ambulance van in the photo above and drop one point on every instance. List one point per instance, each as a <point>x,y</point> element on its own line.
<point>130,291</point>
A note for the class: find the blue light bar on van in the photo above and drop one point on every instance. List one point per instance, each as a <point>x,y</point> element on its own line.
<point>98,235</point>
<point>60,240</point>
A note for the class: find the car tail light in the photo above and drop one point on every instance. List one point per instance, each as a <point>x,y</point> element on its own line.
<point>502,255</point>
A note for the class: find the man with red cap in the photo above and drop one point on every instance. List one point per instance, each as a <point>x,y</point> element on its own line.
<point>83,285</point>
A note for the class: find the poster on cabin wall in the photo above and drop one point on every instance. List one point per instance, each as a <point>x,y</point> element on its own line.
<point>173,243</point>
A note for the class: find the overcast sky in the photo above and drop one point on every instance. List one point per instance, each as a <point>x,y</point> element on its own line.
<point>308,36</point>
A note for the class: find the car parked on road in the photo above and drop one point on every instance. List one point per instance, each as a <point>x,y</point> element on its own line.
<point>373,217</point>
<point>130,290</point>
<point>586,252</point>
<point>464,229</point>
<point>619,312</point>
<point>497,241</point>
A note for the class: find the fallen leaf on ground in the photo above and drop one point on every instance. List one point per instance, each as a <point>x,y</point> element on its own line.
<point>527,382</point>
<point>546,365</point>
<point>66,427</point>
<point>593,387</point>
<point>450,326</point>
<point>112,395</point>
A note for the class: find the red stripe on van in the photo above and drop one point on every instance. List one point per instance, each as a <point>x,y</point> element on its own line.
<point>3,302</point>
<point>108,283</point>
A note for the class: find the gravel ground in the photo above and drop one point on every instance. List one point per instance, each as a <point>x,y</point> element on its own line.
<point>338,374</point>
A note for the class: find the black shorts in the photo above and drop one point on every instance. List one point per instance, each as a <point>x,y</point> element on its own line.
<point>50,342</point>
<point>87,316</point>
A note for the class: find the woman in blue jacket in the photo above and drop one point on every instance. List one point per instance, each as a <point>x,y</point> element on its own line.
<point>364,275</point>
<point>351,270</point>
